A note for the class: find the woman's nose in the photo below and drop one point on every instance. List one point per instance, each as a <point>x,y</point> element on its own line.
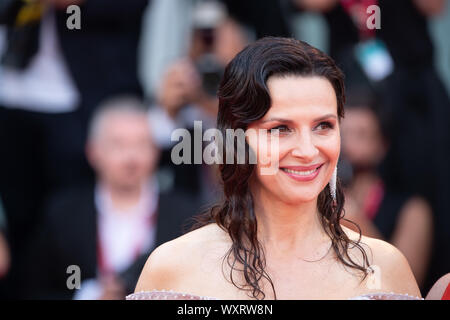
<point>304,148</point>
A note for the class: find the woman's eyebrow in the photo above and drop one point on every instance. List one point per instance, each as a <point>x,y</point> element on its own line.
<point>327,116</point>
<point>276,119</point>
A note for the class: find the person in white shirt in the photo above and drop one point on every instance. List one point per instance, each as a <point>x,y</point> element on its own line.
<point>108,228</point>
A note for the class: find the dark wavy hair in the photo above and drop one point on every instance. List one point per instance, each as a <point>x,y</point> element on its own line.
<point>243,99</point>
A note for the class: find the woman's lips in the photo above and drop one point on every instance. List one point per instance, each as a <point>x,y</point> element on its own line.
<point>300,173</point>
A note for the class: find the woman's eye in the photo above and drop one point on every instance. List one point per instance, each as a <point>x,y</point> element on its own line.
<point>281,128</point>
<point>325,125</point>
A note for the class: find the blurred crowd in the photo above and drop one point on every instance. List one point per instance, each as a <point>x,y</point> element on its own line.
<point>86,117</point>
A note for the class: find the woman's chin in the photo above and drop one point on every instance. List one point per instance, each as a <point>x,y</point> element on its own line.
<point>298,199</point>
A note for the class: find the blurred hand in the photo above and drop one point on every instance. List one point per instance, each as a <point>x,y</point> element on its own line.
<point>113,289</point>
<point>5,259</point>
<point>230,40</point>
<point>180,86</point>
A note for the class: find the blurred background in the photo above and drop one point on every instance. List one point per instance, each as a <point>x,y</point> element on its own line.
<point>86,116</point>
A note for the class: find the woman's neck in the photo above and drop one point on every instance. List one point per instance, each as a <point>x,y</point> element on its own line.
<point>288,227</point>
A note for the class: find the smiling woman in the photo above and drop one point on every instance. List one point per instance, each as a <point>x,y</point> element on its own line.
<point>278,236</point>
<point>304,111</point>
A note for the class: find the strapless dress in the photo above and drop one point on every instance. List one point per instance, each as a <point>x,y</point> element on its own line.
<point>173,295</point>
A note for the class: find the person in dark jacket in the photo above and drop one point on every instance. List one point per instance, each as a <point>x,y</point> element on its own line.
<point>107,230</point>
<point>51,80</point>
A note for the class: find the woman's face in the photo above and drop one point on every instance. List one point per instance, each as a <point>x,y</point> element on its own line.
<point>304,110</point>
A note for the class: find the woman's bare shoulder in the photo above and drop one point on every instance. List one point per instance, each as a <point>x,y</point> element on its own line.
<point>173,260</point>
<point>389,264</point>
<point>437,291</point>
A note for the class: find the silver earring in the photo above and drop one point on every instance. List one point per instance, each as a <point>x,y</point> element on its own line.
<point>332,184</point>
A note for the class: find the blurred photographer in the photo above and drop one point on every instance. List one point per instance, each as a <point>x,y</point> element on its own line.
<point>187,91</point>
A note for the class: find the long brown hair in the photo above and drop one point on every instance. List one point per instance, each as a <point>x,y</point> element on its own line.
<point>243,99</point>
